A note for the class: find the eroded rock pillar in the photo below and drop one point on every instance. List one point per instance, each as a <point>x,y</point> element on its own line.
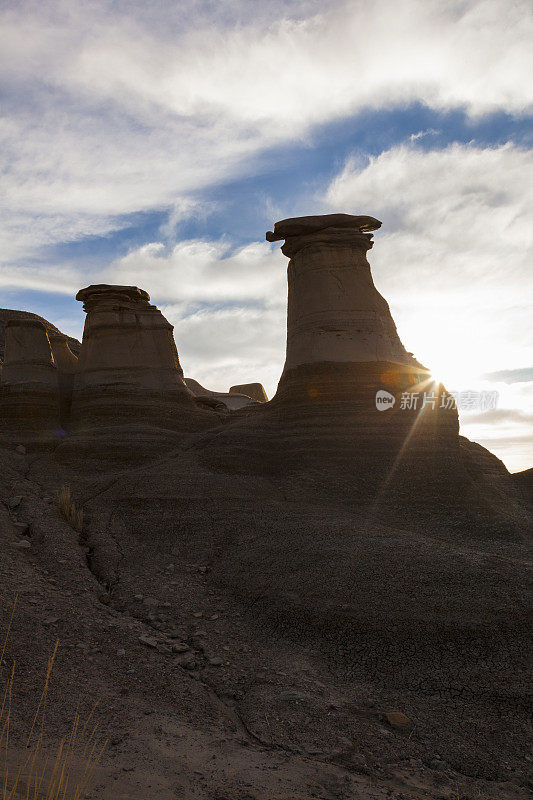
<point>128,367</point>
<point>29,397</point>
<point>344,356</point>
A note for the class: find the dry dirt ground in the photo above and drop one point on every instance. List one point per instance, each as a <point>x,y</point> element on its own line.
<point>213,681</point>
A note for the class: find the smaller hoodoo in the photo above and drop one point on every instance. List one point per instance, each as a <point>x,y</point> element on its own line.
<point>29,393</point>
<point>128,370</point>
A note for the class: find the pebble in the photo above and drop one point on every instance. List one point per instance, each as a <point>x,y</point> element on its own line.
<point>180,647</point>
<point>398,720</point>
<point>20,449</point>
<point>14,502</point>
<point>148,641</point>
<point>215,662</point>
<point>214,616</point>
<point>150,601</point>
<point>138,597</point>
<point>198,614</point>
<point>121,652</point>
<point>51,621</point>
<point>24,544</point>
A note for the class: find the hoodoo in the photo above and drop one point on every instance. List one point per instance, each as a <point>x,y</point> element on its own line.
<point>29,390</point>
<point>336,317</point>
<point>128,367</point>
<point>335,313</point>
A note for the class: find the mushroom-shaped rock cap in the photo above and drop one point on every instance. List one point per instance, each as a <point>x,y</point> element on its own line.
<point>131,292</point>
<point>298,226</point>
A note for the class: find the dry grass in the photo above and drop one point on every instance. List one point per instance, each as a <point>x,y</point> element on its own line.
<point>65,776</point>
<point>69,511</point>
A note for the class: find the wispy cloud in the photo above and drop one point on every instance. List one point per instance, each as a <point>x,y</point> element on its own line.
<point>111,109</point>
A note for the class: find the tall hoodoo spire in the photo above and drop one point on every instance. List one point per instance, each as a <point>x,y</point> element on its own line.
<point>335,313</point>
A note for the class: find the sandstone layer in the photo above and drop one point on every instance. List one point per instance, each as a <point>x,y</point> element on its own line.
<point>29,390</point>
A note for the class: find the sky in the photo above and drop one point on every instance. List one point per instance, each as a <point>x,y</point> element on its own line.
<point>153,143</point>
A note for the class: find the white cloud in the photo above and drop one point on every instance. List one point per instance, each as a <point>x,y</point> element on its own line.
<point>111,109</point>
<point>198,271</point>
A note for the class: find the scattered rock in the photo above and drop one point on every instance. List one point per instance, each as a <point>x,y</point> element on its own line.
<point>14,502</point>
<point>398,721</point>
<point>21,527</point>
<point>148,641</point>
<point>215,662</point>
<point>198,614</point>
<point>138,598</point>
<point>180,647</point>
<point>24,544</point>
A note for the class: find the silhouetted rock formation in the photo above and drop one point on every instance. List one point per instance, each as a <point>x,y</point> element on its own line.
<point>253,390</point>
<point>7,314</point>
<point>128,368</point>
<point>29,394</point>
<point>67,365</point>
<point>218,400</point>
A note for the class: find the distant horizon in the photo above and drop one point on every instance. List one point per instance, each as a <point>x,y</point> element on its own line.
<point>154,145</point>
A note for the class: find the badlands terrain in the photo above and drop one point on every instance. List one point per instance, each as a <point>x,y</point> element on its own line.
<point>299,598</point>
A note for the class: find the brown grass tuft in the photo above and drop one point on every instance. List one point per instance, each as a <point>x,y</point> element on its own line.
<point>69,511</point>
<point>69,774</point>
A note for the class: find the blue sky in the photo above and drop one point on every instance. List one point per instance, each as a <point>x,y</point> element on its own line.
<point>154,143</point>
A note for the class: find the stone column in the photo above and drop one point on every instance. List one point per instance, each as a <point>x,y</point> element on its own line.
<point>339,328</point>
<point>344,354</point>
<point>29,390</point>
<point>128,367</point>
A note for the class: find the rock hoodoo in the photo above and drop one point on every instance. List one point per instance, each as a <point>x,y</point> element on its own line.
<point>335,313</point>
<point>253,390</point>
<point>228,401</point>
<point>128,366</point>
<point>29,390</point>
